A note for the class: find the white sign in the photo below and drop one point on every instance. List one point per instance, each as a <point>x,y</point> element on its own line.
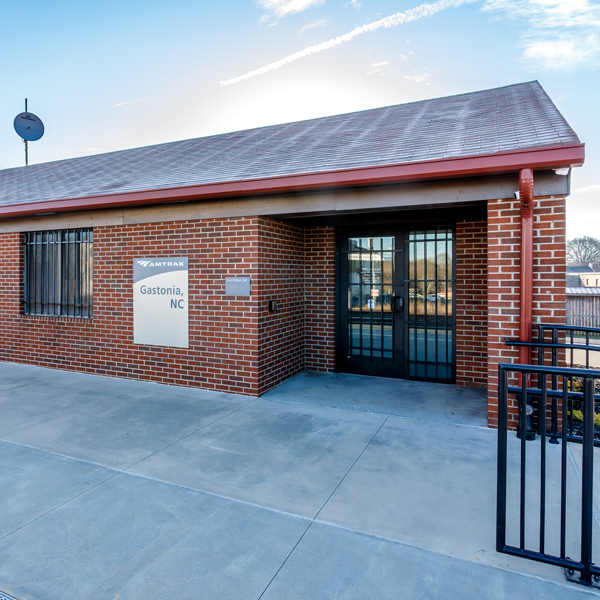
<point>160,301</point>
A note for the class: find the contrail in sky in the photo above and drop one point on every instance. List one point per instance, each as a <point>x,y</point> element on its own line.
<point>412,14</point>
<point>133,101</point>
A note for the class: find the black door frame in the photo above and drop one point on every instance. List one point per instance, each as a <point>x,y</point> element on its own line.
<point>399,322</point>
<point>383,231</point>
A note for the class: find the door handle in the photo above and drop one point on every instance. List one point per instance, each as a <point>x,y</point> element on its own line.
<point>397,303</point>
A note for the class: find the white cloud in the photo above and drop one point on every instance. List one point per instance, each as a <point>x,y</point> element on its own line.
<point>417,78</point>
<point>377,68</point>
<point>312,25</point>
<point>563,53</point>
<point>549,13</point>
<point>280,8</point>
<point>560,34</point>
<point>412,14</point>
<point>595,187</point>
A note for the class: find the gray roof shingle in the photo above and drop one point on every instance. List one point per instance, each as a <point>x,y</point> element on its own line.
<point>515,117</point>
<point>579,269</point>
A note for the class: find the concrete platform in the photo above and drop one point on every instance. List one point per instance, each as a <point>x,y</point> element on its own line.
<point>330,486</point>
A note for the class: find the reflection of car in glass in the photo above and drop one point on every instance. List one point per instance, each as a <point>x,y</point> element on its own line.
<point>436,298</point>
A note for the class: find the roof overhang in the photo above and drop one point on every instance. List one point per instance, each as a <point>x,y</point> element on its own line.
<point>554,157</point>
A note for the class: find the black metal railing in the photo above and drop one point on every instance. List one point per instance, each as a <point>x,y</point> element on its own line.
<point>550,349</point>
<point>561,488</point>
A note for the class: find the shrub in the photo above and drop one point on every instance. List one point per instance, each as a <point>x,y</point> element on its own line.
<point>578,416</point>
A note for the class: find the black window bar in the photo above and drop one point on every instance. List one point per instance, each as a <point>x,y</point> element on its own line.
<point>58,273</point>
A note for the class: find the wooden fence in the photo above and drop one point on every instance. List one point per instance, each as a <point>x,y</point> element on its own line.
<point>583,311</point>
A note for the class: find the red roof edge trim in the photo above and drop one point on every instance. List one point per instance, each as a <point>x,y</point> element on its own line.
<point>537,159</point>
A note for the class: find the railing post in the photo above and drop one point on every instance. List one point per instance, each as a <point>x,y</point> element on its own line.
<point>502,458</point>
<point>540,339</point>
<point>554,412</point>
<point>523,425</point>
<point>587,474</point>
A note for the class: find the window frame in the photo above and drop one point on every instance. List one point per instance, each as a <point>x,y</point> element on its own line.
<point>58,270</point>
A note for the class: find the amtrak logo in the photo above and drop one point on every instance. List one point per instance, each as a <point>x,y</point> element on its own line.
<point>160,263</point>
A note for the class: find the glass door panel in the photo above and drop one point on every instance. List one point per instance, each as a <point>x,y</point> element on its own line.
<point>430,317</point>
<point>395,303</point>
<point>369,328</point>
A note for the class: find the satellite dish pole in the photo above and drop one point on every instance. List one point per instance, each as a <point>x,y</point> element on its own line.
<point>26,142</point>
<point>30,128</point>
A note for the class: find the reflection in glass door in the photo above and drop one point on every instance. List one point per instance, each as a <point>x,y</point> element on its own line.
<point>371,303</point>
<point>430,318</point>
<point>395,303</point>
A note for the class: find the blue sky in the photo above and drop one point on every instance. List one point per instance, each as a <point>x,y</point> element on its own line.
<point>120,74</point>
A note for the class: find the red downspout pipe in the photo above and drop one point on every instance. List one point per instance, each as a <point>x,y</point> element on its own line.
<point>526,284</point>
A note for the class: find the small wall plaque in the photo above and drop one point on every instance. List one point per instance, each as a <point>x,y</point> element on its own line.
<point>237,286</point>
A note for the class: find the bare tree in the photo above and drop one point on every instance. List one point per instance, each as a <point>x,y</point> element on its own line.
<point>583,250</point>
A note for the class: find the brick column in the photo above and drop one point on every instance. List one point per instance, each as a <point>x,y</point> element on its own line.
<point>281,278</point>
<point>504,240</point>
<point>319,290</point>
<point>11,277</point>
<point>471,304</point>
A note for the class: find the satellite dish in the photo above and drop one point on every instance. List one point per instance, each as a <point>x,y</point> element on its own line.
<point>29,127</point>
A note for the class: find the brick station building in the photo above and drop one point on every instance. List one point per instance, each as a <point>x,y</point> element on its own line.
<point>385,242</point>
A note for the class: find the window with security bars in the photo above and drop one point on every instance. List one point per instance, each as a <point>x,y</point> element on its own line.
<point>58,273</point>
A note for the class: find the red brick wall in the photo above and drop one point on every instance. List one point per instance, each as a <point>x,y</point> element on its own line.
<point>281,333</point>
<point>471,304</point>
<point>236,344</point>
<point>11,273</point>
<point>320,299</point>
<point>504,239</point>
<point>224,331</point>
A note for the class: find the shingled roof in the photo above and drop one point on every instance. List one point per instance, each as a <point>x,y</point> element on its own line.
<point>505,119</point>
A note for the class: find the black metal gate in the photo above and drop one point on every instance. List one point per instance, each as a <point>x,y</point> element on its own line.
<point>545,505</point>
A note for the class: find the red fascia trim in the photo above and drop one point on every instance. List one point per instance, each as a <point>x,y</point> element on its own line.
<point>542,158</point>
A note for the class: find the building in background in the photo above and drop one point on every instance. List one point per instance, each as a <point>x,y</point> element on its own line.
<point>582,276</point>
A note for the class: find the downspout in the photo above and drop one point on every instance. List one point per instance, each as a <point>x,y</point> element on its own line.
<point>526,283</point>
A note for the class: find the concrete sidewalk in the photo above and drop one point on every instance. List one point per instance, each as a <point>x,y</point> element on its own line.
<point>331,486</point>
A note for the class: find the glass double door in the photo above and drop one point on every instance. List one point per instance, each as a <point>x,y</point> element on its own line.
<point>395,303</point>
